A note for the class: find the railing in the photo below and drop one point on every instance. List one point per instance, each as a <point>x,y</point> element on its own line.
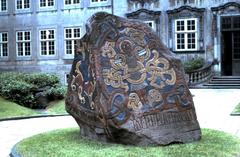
<point>201,75</point>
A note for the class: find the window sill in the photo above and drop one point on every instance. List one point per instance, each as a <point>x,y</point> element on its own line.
<point>23,11</point>
<point>189,52</point>
<point>4,13</point>
<point>50,9</point>
<point>23,58</point>
<point>3,59</point>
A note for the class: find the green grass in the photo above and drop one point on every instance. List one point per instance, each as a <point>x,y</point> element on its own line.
<point>57,107</point>
<point>10,109</point>
<point>68,143</point>
<point>236,109</point>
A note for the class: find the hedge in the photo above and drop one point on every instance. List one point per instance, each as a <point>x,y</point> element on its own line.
<point>31,90</point>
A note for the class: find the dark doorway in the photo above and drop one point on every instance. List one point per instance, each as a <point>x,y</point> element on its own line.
<point>230,53</point>
<point>227,53</point>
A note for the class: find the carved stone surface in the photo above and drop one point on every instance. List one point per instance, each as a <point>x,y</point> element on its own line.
<point>127,87</point>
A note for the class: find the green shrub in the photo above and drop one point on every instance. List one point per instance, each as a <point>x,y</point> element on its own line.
<point>56,92</point>
<point>30,90</point>
<point>193,64</point>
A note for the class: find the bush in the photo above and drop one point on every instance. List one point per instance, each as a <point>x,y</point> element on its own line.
<point>194,64</point>
<point>30,90</point>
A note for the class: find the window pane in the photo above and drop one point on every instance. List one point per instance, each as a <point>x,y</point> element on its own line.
<point>191,40</point>
<point>67,2</point>
<point>43,48</point>
<point>3,5</point>
<point>26,4</point>
<point>68,47</point>
<point>226,22</point>
<point>19,36</point>
<point>43,3</point>
<point>4,37</point>
<point>19,4</point>
<point>76,1</point>
<point>68,33</point>
<point>180,25</point>
<point>43,35</point>
<point>51,47</point>
<point>5,49</point>
<point>191,25</point>
<point>27,49</point>
<point>51,34</point>
<point>50,2</point>
<point>236,22</point>
<point>27,35</point>
<point>20,49</point>
<point>180,41</point>
<point>77,33</point>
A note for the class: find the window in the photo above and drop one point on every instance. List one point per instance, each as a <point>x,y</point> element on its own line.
<point>71,35</point>
<point>3,5</point>
<point>236,45</point>
<point>71,2</point>
<point>47,42</point>
<point>3,44</point>
<point>46,3</point>
<point>67,77</point>
<point>151,24</point>
<point>93,1</point>
<point>23,40</point>
<point>186,34</point>
<point>23,4</point>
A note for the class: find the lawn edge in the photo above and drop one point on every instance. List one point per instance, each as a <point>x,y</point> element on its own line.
<point>36,116</point>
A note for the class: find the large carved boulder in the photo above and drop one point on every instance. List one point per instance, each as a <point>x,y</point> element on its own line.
<point>127,87</point>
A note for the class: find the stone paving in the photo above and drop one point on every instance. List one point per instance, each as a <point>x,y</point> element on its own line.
<point>213,107</point>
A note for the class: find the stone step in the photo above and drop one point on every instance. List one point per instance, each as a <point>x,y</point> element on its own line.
<point>225,82</point>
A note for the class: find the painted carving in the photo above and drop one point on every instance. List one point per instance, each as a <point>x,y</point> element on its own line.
<point>127,87</point>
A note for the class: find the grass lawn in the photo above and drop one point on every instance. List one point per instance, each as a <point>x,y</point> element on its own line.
<point>10,109</point>
<point>68,143</point>
<point>236,109</point>
<point>56,107</point>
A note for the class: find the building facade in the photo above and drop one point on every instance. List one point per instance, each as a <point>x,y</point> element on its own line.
<point>39,35</point>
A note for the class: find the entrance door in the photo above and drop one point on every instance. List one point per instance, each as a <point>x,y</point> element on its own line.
<point>227,53</point>
<point>230,52</point>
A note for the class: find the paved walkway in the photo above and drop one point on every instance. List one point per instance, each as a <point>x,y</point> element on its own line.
<point>213,110</point>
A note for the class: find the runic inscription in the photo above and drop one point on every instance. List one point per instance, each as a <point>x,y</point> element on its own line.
<point>162,119</point>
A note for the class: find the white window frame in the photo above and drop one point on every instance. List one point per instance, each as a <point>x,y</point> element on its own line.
<point>186,32</point>
<point>72,3</point>
<point>3,42</point>
<point>24,42</point>
<point>47,6</point>
<point>47,40</point>
<point>98,1</point>
<point>72,39</point>
<point>1,6</point>
<point>22,4</point>
<point>153,24</point>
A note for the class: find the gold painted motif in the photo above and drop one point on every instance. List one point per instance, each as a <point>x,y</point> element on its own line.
<point>134,62</point>
<point>158,68</point>
<point>134,102</point>
<point>108,50</point>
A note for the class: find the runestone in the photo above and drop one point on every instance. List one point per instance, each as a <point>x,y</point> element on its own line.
<point>125,86</point>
